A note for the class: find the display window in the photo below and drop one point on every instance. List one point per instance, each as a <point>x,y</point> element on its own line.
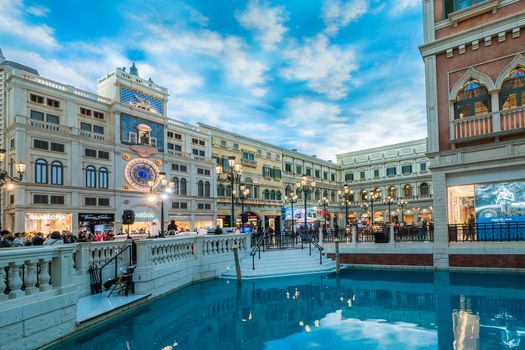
<point>47,222</point>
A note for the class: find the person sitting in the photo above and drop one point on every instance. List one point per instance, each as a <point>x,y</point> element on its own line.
<point>218,230</point>
<point>54,239</point>
<point>38,239</point>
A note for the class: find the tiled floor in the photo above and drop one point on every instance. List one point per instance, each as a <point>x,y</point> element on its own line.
<point>98,304</point>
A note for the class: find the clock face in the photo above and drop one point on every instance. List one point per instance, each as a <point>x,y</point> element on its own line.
<point>141,171</point>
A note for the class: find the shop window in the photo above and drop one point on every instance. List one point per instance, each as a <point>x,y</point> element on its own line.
<point>472,100</point>
<point>56,200</point>
<point>41,171</point>
<point>57,173</point>
<point>91,176</point>
<point>183,187</point>
<point>512,93</point>
<point>103,178</point>
<point>200,188</point>
<point>424,189</point>
<point>460,204</point>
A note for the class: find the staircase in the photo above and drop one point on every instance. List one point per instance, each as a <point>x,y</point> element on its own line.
<point>278,263</point>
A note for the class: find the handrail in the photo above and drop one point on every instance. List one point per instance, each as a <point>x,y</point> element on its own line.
<point>311,241</point>
<point>116,262</point>
<point>257,248</point>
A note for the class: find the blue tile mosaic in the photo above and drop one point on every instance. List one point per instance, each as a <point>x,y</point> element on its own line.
<point>129,96</point>
<point>128,124</point>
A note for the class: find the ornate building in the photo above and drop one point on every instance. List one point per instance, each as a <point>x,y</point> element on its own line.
<point>475,84</point>
<point>90,156</point>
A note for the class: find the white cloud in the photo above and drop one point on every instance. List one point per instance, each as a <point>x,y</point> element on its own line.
<point>13,23</point>
<point>38,11</point>
<point>265,22</point>
<point>301,111</point>
<point>197,17</point>
<point>325,68</point>
<point>337,14</point>
<point>402,5</point>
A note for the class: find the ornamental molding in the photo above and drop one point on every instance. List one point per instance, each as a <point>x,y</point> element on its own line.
<point>518,60</point>
<point>471,73</point>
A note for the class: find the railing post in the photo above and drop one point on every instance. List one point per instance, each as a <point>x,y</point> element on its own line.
<point>354,235</point>
<point>452,131</point>
<point>391,237</point>
<point>496,125</point>
<point>337,258</point>
<point>62,269</point>
<point>199,246</point>
<point>321,236</point>
<point>237,265</point>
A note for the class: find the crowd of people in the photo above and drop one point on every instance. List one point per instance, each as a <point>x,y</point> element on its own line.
<point>23,239</point>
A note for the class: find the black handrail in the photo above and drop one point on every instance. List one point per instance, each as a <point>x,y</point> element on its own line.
<point>116,262</point>
<point>311,241</point>
<point>257,248</point>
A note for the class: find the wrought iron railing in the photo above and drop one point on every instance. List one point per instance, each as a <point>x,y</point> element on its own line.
<point>487,232</point>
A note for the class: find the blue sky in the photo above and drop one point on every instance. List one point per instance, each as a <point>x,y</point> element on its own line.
<point>323,76</point>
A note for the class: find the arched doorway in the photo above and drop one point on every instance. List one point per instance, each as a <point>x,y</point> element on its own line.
<point>253,223</point>
<point>378,217</point>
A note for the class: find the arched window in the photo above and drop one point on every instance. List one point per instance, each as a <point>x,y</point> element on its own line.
<point>176,184</point>
<point>183,187</point>
<point>424,189</point>
<point>272,195</point>
<point>332,197</point>
<point>325,194</point>
<point>473,100</point>
<point>378,193</point>
<point>207,189</point>
<point>512,93</point>
<point>255,193</point>
<point>200,188</point>
<point>220,190</point>
<point>317,195</point>
<point>57,173</point>
<point>407,191</point>
<point>228,191</point>
<point>392,192</point>
<point>278,195</point>
<point>103,178</point>
<point>41,171</point>
<point>363,195</point>
<point>91,176</point>
<point>288,190</point>
<point>266,194</point>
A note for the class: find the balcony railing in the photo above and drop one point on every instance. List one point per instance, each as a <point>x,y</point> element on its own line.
<point>49,126</point>
<point>501,123</point>
<point>250,163</point>
<point>487,232</point>
<point>92,135</point>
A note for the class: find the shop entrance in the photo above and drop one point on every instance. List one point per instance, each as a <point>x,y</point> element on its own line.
<point>96,223</point>
<point>254,222</point>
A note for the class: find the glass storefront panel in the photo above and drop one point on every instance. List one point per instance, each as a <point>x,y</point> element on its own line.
<point>460,203</point>
<point>47,222</point>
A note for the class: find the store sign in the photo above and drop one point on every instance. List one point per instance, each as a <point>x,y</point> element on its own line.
<point>47,216</point>
<point>145,215</point>
<point>96,217</point>
<point>180,217</point>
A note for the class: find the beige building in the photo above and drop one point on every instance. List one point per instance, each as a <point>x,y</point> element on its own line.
<point>90,156</point>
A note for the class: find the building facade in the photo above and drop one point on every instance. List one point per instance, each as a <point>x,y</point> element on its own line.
<point>475,74</point>
<point>398,177</point>
<point>91,156</point>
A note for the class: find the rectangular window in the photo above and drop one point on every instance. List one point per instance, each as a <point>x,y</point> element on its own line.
<point>53,119</point>
<point>202,143</point>
<point>85,127</point>
<point>391,171</point>
<point>195,141</point>
<point>170,134</point>
<point>57,199</point>
<point>349,177</point>
<point>223,143</point>
<point>235,146</point>
<point>41,144</point>
<point>308,172</point>
<point>406,169</point>
<point>332,177</point>
<point>195,151</point>
<point>325,175</point>
<point>12,143</point>
<point>451,6</point>
<point>207,206</point>
<point>12,199</point>
<point>178,148</point>
<point>40,199</point>
<point>171,146</point>
<point>259,152</point>
<point>103,202</point>
<point>423,166</point>
<point>207,172</point>
<point>97,129</point>
<point>317,174</point>
<point>183,168</point>
<point>175,205</point>
<point>200,171</point>
<point>268,155</point>
<point>248,156</point>
<point>103,155</point>
<point>288,167</point>
<point>376,173</point>
<point>57,147</point>
<point>53,103</point>
<point>86,112</point>
<point>200,206</point>
<point>202,153</point>
<point>267,171</point>
<point>298,170</point>
<point>90,201</point>
<point>184,205</point>
<point>36,98</point>
<point>88,152</point>
<point>177,136</point>
<point>276,173</point>
<point>175,167</point>
<point>362,175</point>
<point>37,115</point>
<point>98,115</point>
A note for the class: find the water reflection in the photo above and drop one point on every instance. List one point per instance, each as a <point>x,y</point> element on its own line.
<point>359,309</point>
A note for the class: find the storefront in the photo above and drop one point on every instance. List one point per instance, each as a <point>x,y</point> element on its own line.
<point>96,223</point>
<point>183,222</point>
<point>273,221</point>
<point>378,217</point>
<point>425,214</point>
<point>144,218</point>
<point>223,220</point>
<point>202,222</point>
<point>312,215</point>
<point>47,222</point>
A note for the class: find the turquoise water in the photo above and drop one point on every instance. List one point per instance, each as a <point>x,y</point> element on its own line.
<point>361,309</point>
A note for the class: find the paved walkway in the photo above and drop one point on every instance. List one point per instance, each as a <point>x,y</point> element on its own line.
<point>92,306</point>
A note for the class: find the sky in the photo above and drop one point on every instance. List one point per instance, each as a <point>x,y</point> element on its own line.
<point>323,76</point>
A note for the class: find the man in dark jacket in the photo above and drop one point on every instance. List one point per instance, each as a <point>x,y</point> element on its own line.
<point>4,243</point>
<point>38,239</point>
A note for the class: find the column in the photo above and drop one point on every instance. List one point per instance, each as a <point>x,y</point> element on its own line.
<point>440,247</point>
<point>494,100</point>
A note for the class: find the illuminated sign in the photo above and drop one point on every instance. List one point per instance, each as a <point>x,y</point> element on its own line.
<point>46,216</point>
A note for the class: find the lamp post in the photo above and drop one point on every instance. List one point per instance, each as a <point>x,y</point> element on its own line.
<point>324,202</point>
<point>7,180</point>
<point>305,186</point>
<point>163,188</point>
<point>243,194</point>
<point>389,200</point>
<point>292,199</point>
<point>373,197</point>
<point>233,176</point>
<point>402,203</point>
<point>346,194</point>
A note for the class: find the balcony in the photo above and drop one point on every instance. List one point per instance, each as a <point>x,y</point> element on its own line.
<point>495,124</point>
<point>249,163</point>
<point>49,126</point>
<point>93,136</point>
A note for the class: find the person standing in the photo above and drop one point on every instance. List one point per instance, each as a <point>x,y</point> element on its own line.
<point>154,230</point>
<point>172,227</point>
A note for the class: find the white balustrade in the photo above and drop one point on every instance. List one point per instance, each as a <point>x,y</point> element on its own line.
<point>512,119</point>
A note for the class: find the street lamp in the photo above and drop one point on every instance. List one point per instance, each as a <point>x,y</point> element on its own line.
<point>389,200</point>
<point>233,176</point>
<point>305,186</point>
<point>6,180</point>
<point>402,203</point>
<point>244,193</point>
<point>292,199</point>
<point>163,188</point>
<point>373,197</point>
<point>346,194</point>
<point>324,203</point>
